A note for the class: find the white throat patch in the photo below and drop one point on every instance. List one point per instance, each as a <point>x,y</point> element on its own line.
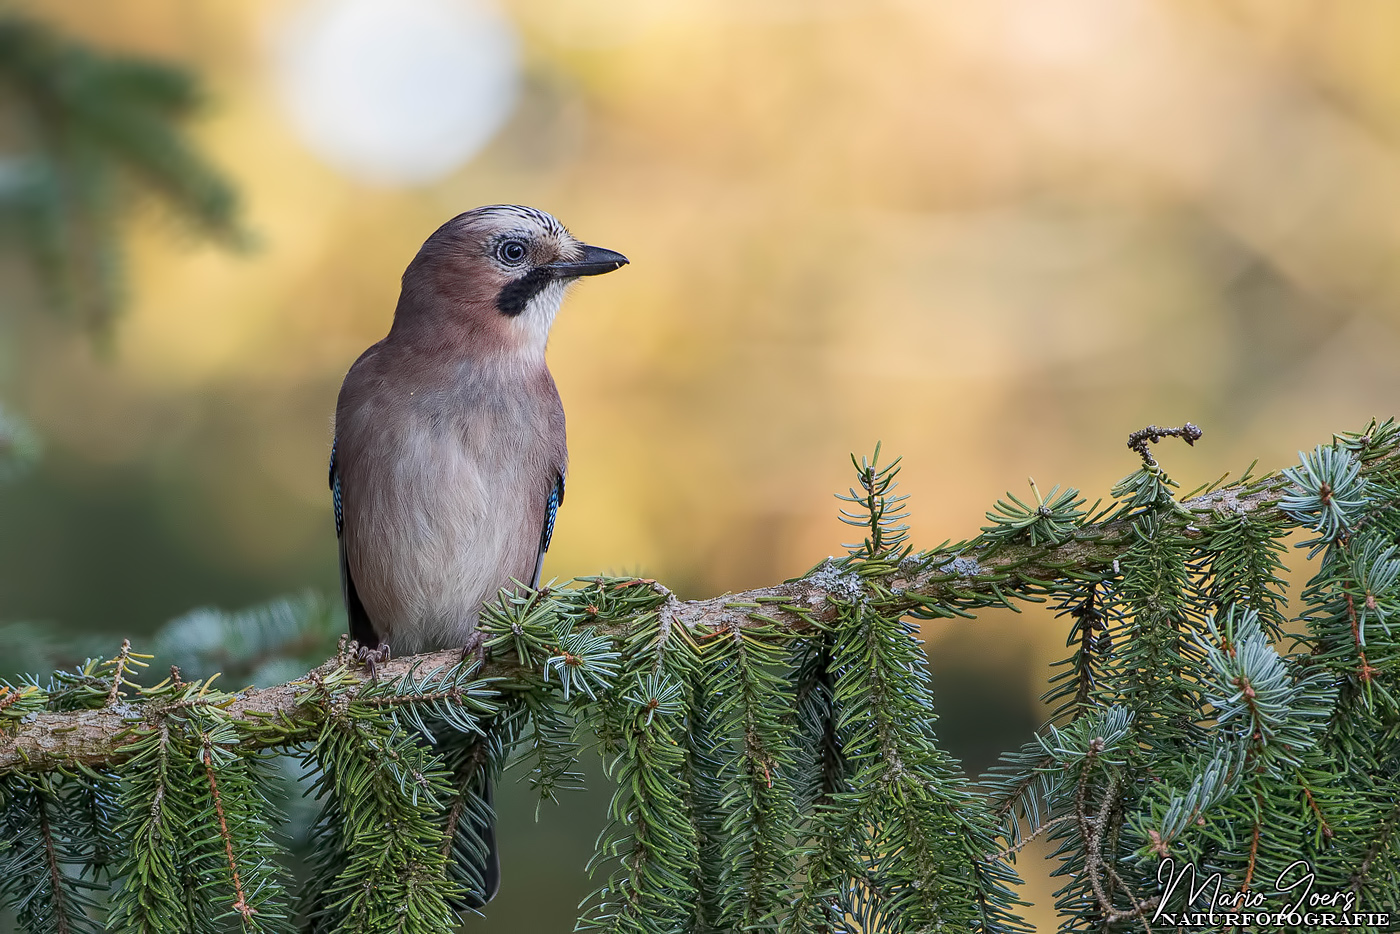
<point>532,325</point>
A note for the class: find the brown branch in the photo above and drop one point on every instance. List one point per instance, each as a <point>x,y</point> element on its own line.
<point>8,696</point>
<point>1253,846</point>
<point>1095,864</point>
<point>476,763</point>
<point>51,861</point>
<point>95,738</point>
<point>1030,837</point>
<point>240,902</point>
<point>1091,831</point>
<point>1366,672</point>
<point>1317,811</point>
<point>119,671</point>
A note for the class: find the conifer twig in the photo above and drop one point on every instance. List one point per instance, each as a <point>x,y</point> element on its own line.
<point>96,737</point>
<point>1137,441</point>
<point>240,903</point>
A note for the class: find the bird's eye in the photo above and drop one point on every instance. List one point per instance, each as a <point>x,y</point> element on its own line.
<point>511,252</point>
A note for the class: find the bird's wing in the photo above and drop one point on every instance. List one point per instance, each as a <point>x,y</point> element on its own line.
<point>361,630</point>
<point>551,509</point>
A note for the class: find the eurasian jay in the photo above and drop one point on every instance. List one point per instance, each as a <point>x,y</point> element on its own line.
<point>449,458</point>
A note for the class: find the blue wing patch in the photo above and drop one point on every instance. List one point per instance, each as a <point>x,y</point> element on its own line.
<point>551,509</point>
<point>335,495</point>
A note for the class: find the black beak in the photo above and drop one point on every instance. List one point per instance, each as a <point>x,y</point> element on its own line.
<point>594,262</point>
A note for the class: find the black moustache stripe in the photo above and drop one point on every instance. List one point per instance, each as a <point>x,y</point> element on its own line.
<point>516,295</point>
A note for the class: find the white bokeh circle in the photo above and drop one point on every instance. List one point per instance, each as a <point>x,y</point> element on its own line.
<point>397,92</point>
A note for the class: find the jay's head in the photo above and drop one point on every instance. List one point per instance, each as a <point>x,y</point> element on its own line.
<point>498,273</point>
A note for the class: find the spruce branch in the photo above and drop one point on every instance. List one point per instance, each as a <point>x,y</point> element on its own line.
<point>775,751</point>
<point>240,901</point>
<point>939,583</point>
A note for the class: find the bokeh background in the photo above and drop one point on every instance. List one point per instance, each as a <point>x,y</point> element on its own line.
<point>996,236</point>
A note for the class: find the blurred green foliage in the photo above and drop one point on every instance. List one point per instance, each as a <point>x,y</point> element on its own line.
<point>88,131</point>
<point>86,137</point>
<point>263,645</point>
<point>19,447</point>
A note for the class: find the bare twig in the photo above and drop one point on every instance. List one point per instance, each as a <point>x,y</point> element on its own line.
<point>1026,840</point>
<point>119,671</point>
<point>1138,439</point>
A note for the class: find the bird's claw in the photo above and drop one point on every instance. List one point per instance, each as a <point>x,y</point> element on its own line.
<point>372,658</point>
<point>475,647</point>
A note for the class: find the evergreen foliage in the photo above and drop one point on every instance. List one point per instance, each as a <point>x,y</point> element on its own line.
<point>19,447</point>
<point>775,753</point>
<point>90,131</point>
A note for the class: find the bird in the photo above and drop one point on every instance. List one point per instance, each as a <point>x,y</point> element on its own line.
<point>449,455</point>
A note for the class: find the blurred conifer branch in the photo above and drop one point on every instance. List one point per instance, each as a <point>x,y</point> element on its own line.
<point>83,133</point>
<point>774,752</point>
<point>19,446</point>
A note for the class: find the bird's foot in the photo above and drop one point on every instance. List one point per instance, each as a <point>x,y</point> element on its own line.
<point>371,659</point>
<point>475,647</point>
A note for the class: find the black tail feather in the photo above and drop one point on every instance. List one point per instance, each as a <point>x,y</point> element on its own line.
<point>488,868</point>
